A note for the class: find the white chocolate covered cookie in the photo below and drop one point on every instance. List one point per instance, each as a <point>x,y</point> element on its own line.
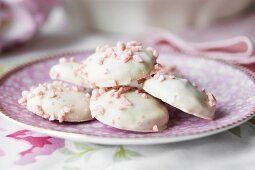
<point>68,70</point>
<point>58,101</point>
<point>181,94</point>
<point>131,110</point>
<point>120,65</point>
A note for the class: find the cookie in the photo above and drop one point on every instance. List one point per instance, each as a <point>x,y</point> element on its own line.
<point>181,94</point>
<point>131,110</point>
<point>120,65</point>
<point>68,70</point>
<point>58,101</point>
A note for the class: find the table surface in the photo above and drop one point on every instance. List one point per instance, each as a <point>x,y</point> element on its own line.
<point>23,149</point>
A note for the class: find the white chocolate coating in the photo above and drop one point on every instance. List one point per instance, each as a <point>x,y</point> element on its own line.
<point>132,110</point>
<point>68,71</point>
<point>58,101</point>
<point>112,66</point>
<point>181,94</point>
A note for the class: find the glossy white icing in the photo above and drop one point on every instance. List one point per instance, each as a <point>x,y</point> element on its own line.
<point>181,94</point>
<point>131,111</point>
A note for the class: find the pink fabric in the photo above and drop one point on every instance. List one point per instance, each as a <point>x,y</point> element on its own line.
<point>27,16</point>
<point>238,49</point>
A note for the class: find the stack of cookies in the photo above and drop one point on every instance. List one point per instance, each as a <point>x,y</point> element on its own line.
<point>121,86</point>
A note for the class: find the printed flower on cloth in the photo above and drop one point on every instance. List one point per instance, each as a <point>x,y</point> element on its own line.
<point>39,145</point>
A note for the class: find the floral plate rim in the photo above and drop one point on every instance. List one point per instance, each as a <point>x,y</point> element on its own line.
<point>120,140</point>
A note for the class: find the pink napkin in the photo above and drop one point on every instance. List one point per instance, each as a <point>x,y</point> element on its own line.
<point>238,50</point>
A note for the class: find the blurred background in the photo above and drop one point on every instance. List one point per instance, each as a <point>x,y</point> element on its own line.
<point>81,24</point>
<point>133,16</point>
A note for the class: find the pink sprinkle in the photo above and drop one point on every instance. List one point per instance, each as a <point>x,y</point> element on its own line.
<point>52,117</point>
<point>53,94</point>
<point>39,93</point>
<point>138,59</point>
<point>158,66</point>
<point>135,48</point>
<point>61,118</point>
<point>49,86</point>
<point>110,51</point>
<point>32,88</point>
<point>126,88</point>
<point>112,92</point>
<point>25,93</point>
<point>60,89</point>
<point>123,107</point>
<point>137,91</point>
<point>81,89</point>
<point>116,95</point>
<point>211,99</point>
<point>54,75</point>
<point>135,43</point>
<point>150,49</point>
<point>161,78</point>
<point>45,116</point>
<point>172,77</point>
<point>39,110</point>
<point>93,85</point>
<point>128,45</point>
<point>155,54</point>
<point>66,109</point>
<point>74,88</point>
<point>126,58</point>
<point>72,59</point>
<point>98,110</point>
<point>87,95</point>
<point>125,101</point>
<point>95,93</point>
<point>101,61</point>
<point>43,88</point>
<point>155,128</point>
<point>102,49</point>
<point>22,101</point>
<point>156,76</point>
<point>120,90</point>
<point>101,91</point>
<point>145,96</point>
<point>104,56</point>
<point>121,46</point>
<point>62,60</point>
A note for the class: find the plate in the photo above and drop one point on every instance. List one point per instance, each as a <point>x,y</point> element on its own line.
<point>233,87</point>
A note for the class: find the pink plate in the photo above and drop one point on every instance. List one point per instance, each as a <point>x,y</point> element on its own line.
<point>232,86</point>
